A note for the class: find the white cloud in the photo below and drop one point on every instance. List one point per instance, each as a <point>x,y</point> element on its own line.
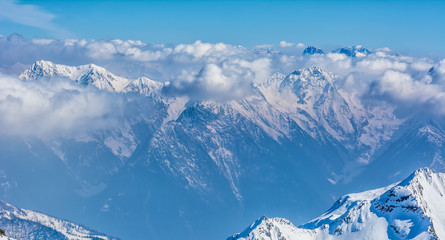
<point>286,44</point>
<point>379,65</point>
<point>336,56</point>
<point>406,92</point>
<point>42,41</point>
<point>214,78</point>
<point>301,45</point>
<point>224,71</point>
<point>421,65</point>
<point>225,81</point>
<point>48,108</point>
<point>200,49</point>
<point>75,42</point>
<point>101,50</point>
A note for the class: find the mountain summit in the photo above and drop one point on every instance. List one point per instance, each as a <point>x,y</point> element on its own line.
<point>312,50</point>
<point>355,51</point>
<point>411,209</point>
<point>91,74</point>
<point>86,75</point>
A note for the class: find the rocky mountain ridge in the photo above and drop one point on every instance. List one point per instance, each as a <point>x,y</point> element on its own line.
<point>411,209</point>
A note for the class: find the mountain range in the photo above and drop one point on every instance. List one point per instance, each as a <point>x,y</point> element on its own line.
<point>173,159</point>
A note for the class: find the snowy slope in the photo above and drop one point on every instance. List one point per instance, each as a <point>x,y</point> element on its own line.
<point>86,74</point>
<point>5,238</point>
<point>311,98</point>
<point>144,86</point>
<point>411,209</point>
<point>26,224</point>
<point>355,51</point>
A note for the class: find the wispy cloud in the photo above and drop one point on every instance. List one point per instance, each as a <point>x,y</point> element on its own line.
<point>30,15</point>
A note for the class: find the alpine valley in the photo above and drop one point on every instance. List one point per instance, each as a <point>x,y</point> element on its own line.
<point>176,167</point>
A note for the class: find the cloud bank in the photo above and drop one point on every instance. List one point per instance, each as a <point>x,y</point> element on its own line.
<point>58,107</point>
<point>219,71</point>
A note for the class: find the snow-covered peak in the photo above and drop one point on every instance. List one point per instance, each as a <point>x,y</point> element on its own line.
<point>46,69</point>
<point>411,209</point>
<point>90,74</point>
<point>273,82</point>
<point>303,78</point>
<point>312,50</point>
<point>355,51</point>
<point>311,74</point>
<point>26,224</point>
<point>309,85</point>
<point>420,176</point>
<point>270,228</point>
<point>144,86</point>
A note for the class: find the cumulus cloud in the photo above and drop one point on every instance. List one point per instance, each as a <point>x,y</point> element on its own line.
<point>200,49</point>
<point>221,71</point>
<point>286,44</point>
<point>380,65</point>
<point>127,57</point>
<point>301,45</point>
<point>225,81</point>
<point>133,50</point>
<point>408,93</point>
<point>54,107</point>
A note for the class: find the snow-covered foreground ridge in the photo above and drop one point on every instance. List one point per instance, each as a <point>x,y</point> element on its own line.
<point>26,224</point>
<point>411,209</point>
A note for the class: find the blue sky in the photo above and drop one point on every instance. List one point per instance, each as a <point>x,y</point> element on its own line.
<point>413,27</point>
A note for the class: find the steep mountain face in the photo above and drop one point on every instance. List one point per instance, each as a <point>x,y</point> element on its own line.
<point>144,86</point>
<point>311,98</point>
<point>285,111</point>
<point>300,131</point>
<point>312,50</point>
<point>411,209</point>
<point>418,142</point>
<point>26,224</point>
